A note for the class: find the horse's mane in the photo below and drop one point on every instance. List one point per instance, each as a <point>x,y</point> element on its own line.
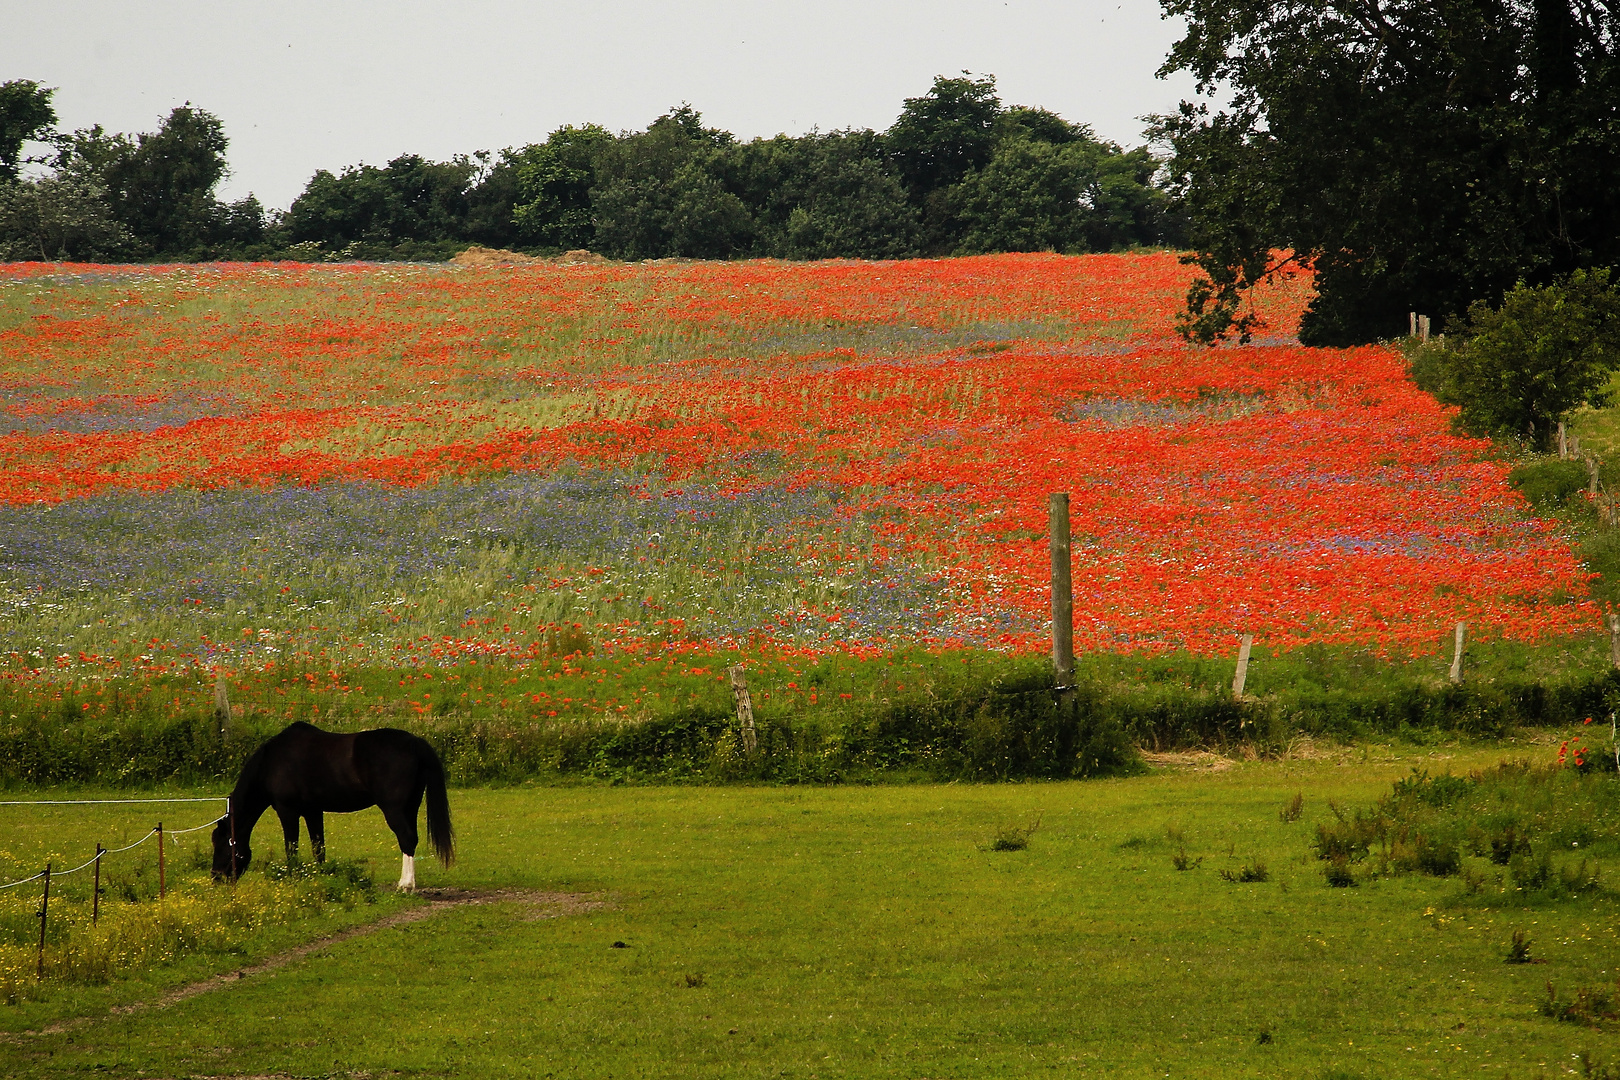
<point>249,776</point>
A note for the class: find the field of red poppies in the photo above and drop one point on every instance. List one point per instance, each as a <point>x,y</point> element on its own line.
<point>232,467</point>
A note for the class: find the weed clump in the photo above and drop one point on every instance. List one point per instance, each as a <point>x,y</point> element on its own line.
<point>1338,874</point>
<point>1591,1005</point>
<point>1247,873</point>
<point>1508,843</point>
<point>1293,809</point>
<point>1519,949</point>
<point>1014,837</point>
<point>1182,861</point>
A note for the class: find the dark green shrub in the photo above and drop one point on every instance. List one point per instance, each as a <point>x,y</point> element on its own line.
<point>1591,1006</point>
<point>1508,843</point>
<point>1338,874</point>
<point>1547,482</point>
<point>1519,368</point>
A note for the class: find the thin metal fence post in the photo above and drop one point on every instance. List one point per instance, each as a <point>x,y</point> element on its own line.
<point>95,889</point>
<point>160,860</point>
<point>44,911</point>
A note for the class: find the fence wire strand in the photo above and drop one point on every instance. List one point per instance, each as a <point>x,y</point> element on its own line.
<point>127,847</point>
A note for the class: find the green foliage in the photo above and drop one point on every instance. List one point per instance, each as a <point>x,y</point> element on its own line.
<point>554,181</point>
<point>1547,483</point>
<point>1421,157</point>
<point>58,217</point>
<point>943,135</point>
<point>161,185</point>
<point>1591,1006</point>
<point>410,199</point>
<point>1426,822</point>
<point>26,115</point>
<point>1080,195</point>
<point>657,195</point>
<point>856,209</point>
<point>1521,367</point>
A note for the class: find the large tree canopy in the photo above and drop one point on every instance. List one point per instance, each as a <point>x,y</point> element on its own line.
<point>1424,155</point>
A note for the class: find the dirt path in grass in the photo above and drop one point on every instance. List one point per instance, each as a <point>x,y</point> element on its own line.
<point>540,905</point>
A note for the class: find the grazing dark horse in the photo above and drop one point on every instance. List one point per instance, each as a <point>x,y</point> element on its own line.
<point>305,772</point>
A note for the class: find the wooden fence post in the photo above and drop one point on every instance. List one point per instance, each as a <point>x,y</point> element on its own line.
<point>1592,467</point>
<point>1062,594</point>
<point>1456,659</point>
<point>222,707</point>
<point>1614,640</point>
<point>1423,327</point>
<point>1413,317</point>
<point>1242,675</point>
<point>745,707</point>
<point>1563,443</point>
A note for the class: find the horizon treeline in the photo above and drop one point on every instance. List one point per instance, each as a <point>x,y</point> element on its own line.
<point>958,172</point>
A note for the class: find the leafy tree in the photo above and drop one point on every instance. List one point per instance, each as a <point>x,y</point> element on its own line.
<point>410,199</point>
<point>822,195</point>
<point>1040,125</point>
<point>26,115</point>
<point>1522,366</point>
<point>657,194</point>
<point>161,185</point>
<point>857,209</point>
<point>554,180</point>
<point>1028,198</point>
<point>945,134</point>
<point>58,217</point>
<point>1421,155</point>
<point>937,140</point>
<point>1076,195</point>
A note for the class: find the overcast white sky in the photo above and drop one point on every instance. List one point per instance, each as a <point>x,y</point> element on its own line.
<point>306,86</point>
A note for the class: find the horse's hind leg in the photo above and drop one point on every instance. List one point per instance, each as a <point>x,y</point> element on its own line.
<point>317,834</point>
<point>402,819</point>
<point>289,831</point>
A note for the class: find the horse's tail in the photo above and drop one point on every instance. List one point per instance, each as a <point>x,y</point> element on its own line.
<point>440,834</point>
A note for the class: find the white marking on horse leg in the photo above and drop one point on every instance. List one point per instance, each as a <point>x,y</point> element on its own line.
<point>407,874</point>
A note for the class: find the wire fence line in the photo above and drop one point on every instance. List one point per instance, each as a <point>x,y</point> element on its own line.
<point>104,852</point>
<point>100,802</point>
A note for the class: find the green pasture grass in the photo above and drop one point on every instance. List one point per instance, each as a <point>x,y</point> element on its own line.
<point>874,931</point>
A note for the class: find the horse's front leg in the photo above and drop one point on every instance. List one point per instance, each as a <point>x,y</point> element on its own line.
<point>289,831</point>
<point>317,834</point>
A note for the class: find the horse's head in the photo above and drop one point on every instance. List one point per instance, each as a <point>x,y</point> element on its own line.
<point>230,859</point>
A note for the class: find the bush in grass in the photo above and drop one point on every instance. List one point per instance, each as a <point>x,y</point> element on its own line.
<point>1591,1005</point>
<point>1519,368</point>
<point>1338,873</point>
<point>1547,483</point>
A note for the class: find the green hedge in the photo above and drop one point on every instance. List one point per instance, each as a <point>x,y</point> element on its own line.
<point>1011,726</point>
